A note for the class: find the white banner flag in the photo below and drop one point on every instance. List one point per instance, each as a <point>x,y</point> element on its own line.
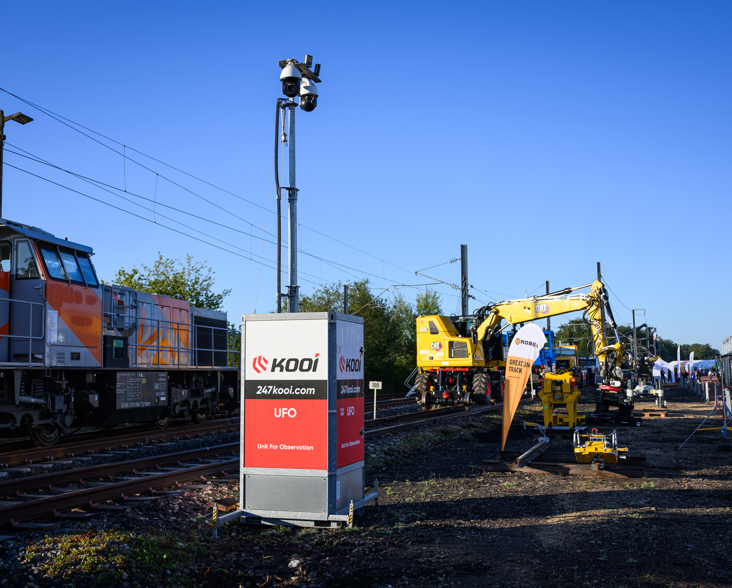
<point>522,354</point>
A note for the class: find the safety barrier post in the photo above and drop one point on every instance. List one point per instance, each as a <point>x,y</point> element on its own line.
<point>215,521</point>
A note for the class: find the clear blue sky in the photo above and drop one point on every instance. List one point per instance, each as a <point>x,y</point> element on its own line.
<point>547,136</point>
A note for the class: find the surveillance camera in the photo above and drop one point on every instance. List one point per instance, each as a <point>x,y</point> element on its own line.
<point>308,95</point>
<point>290,78</point>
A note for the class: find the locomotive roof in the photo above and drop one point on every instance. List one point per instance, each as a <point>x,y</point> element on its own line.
<point>41,235</point>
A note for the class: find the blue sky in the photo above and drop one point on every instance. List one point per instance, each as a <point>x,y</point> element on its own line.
<point>547,136</point>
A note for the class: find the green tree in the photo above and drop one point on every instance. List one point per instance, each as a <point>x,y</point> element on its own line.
<point>190,280</point>
<point>576,332</point>
<point>389,338</point>
<point>428,303</point>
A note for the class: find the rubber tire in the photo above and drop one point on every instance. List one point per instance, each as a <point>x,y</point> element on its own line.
<point>45,435</point>
<point>422,385</point>
<point>480,389</point>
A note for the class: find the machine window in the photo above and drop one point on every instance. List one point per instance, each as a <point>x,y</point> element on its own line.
<point>433,329</point>
<point>53,263</point>
<point>71,267</point>
<point>88,271</point>
<point>5,252</point>
<point>26,262</point>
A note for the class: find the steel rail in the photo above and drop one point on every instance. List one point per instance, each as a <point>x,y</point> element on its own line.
<point>28,456</point>
<point>51,480</point>
<point>120,490</point>
<point>410,416</point>
<point>437,415</point>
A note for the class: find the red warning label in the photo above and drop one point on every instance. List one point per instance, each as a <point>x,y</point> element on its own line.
<point>282,433</point>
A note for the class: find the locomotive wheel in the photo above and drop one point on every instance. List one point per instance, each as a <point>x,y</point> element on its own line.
<point>200,415</point>
<point>480,389</point>
<point>162,423</point>
<point>45,435</point>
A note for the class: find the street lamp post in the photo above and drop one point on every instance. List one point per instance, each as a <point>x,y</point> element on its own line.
<point>297,80</point>
<point>18,117</point>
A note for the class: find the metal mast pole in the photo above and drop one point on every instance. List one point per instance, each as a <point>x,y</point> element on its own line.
<point>464,278</point>
<point>2,148</point>
<point>548,320</point>
<point>292,289</point>
<point>635,347</point>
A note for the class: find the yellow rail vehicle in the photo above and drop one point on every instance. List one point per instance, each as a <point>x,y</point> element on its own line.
<point>459,358</point>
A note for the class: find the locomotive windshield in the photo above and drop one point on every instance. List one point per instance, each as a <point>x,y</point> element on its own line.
<point>67,265</point>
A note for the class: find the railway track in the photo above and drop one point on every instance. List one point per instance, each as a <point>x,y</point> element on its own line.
<point>83,448</point>
<point>51,495</point>
<point>389,403</point>
<point>397,423</point>
<point>60,495</point>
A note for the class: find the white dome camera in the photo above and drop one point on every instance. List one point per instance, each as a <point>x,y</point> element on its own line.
<point>308,95</point>
<point>290,78</point>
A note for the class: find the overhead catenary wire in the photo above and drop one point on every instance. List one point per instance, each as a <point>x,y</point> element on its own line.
<point>37,159</point>
<point>72,125</point>
<point>148,220</point>
<point>104,186</point>
<point>438,265</point>
<point>77,127</point>
<point>69,123</point>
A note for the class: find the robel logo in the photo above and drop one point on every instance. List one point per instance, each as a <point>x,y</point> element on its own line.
<point>525,342</point>
<point>349,365</point>
<point>286,364</point>
<point>285,412</point>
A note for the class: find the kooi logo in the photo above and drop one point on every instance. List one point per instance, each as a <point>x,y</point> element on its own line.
<point>286,364</point>
<point>349,365</point>
<point>260,364</point>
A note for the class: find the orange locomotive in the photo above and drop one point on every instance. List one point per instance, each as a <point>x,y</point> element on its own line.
<point>75,353</point>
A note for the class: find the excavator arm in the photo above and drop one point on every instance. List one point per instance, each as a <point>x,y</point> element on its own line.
<point>490,317</point>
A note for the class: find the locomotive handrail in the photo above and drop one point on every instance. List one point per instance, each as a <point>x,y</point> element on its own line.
<point>156,347</point>
<point>30,337</point>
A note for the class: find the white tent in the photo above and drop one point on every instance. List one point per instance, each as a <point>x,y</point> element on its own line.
<point>667,367</point>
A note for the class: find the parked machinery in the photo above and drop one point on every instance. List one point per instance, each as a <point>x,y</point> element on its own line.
<point>75,353</point>
<point>598,449</point>
<point>560,390</point>
<point>459,358</point>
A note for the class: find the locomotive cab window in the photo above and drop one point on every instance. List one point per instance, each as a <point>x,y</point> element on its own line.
<point>25,263</point>
<point>72,268</point>
<point>53,262</point>
<point>87,270</point>
<point>62,264</point>
<point>5,252</point>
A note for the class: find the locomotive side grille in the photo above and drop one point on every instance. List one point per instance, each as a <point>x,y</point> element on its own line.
<point>208,339</point>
